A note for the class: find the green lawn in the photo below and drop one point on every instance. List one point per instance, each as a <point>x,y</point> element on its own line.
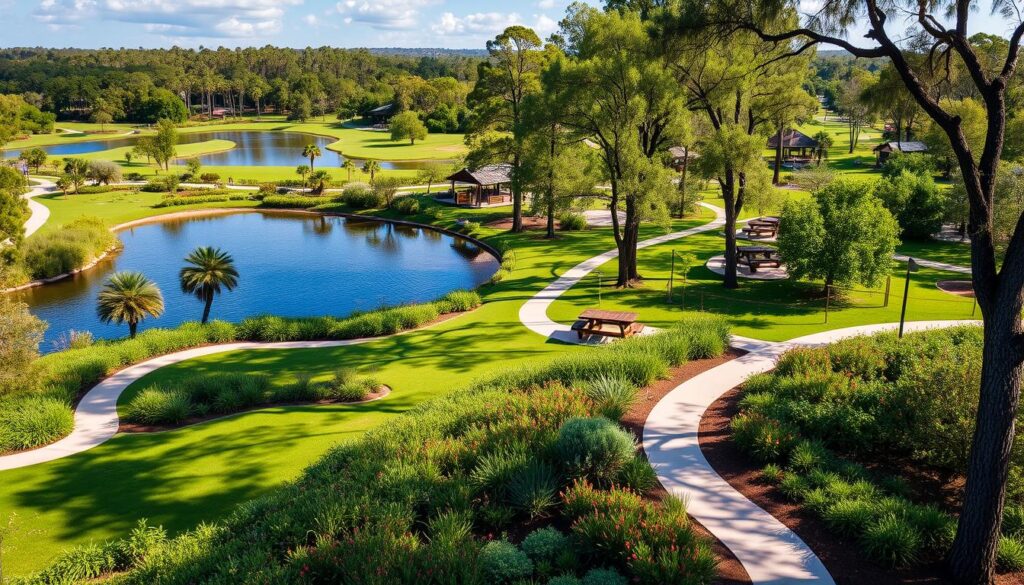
<point>182,477</point>
<point>85,133</point>
<point>956,253</point>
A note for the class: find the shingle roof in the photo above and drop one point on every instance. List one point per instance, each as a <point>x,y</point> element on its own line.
<point>792,139</point>
<point>382,110</point>
<point>905,146</point>
<point>485,175</point>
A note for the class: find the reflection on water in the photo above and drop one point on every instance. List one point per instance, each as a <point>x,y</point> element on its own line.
<point>252,148</point>
<point>290,264</point>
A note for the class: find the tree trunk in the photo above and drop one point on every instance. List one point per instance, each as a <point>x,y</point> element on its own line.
<point>682,182</point>
<point>517,196</point>
<point>778,159</point>
<point>729,195</point>
<point>628,274</point>
<point>972,556</point>
<point>206,307</point>
<point>132,329</point>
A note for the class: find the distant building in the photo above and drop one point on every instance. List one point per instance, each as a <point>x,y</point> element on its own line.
<point>381,116</point>
<point>886,149</point>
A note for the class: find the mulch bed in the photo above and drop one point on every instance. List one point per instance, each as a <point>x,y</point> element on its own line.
<point>841,556</point>
<point>127,427</point>
<point>730,571</point>
<point>963,288</point>
<point>530,223</point>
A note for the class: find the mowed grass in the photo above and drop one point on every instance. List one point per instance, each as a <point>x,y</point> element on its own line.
<point>83,132</point>
<point>183,477</point>
<point>115,207</point>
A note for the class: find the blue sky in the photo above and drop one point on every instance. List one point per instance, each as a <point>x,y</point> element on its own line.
<point>294,23</point>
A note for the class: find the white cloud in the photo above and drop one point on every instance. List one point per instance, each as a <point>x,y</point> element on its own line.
<point>384,14</point>
<point>180,18</point>
<point>482,25</point>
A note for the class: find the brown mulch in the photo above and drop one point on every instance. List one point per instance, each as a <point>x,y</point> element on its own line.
<point>963,288</point>
<point>529,223</point>
<point>842,556</point>
<point>127,427</point>
<point>730,571</point>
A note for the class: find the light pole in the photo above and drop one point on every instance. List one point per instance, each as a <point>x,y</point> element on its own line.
<point>911,267</point>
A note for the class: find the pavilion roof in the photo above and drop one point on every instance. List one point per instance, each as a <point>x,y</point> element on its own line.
<point>485,175</point>
<point>904,146</point>
<point>792,139</point>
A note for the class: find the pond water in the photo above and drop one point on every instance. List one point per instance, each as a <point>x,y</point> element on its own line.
<point>252,148</point>
<point>289,264</point>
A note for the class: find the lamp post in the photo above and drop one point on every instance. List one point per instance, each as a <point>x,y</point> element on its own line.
<point>911,267</point>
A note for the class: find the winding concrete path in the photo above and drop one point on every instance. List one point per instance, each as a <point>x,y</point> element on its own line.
<point>96,419</point>
<point>40,213</point>
<point>933,264</point>
<point>771,553</point>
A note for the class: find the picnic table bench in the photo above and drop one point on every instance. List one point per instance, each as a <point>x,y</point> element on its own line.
<point>607,323</point>
<point>758,256</point>
<point>761,228</point>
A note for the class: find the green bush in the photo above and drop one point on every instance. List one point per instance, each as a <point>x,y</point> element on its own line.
<point>564,580</point>
<point>69,248</point>
<point>291,201</point>
<point>178,201</point>
<point>593,448</point>
<point>29,423</point>
<point>501,562</point>
<point>892,540</point>
<point>637,474</point>
<point>154,406</point>
<point>544,544</point>
<point>407,206</point>
<point>604,577</point>
<point>612,397</point>
<point>572,222</point>
<point>534,489</point>
<point>1010,555</point>
<point>358,196</point>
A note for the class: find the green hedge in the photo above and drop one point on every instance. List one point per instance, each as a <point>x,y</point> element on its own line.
<point>416,501</point>
<point>71,247</point>
<point>825,413</point>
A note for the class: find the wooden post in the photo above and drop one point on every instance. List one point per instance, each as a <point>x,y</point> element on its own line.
<point>682,293</point>
<point>671,275</point>
<point>598,273</point>
<point>888,286</point>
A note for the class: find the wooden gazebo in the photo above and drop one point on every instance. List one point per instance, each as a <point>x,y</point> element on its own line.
<point>487,185</point>
<point>796,146</point>
<point>381,116</point>
<point>886,149</point>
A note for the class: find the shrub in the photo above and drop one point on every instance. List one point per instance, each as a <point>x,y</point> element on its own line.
<point>593,448</point>
<point>290,201</point>
<point>572,222</point>
<point>533,489</point>
<point>469,228</point>
<point>564,580</point>
<point>70,248</point>
<point>1010,554</point>
<point>637,474</point>
<point>612,397</point>
<point>154,406</point>
<point>458,301</point>
<point>766,439</point>
<point>772,473</point>
<point>33,421</point>
<point>209,177</point>
<point>848,517</point>
<point>892,540</point>
<point>407,206</point>
<point>544,544</point>
<point>361,196</point>
<point>501,562</point>
<point>603,577</point>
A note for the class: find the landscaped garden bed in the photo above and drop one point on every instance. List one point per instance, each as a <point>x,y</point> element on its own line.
<point>859,447</point>
<point>527,475</point>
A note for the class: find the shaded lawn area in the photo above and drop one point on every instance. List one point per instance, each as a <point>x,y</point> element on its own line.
<point>773,311</point>
<point>180,478</point>
<point>958,253</point>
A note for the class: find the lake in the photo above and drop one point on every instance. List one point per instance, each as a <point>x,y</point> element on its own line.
<point>252,148</point>
<point>289,264</point>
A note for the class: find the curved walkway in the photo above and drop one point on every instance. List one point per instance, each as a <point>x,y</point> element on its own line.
<point>933,264</point>
<point>96,418</point>
<point>770,552</point>
<point>40,212</point>
<point>534,312</point>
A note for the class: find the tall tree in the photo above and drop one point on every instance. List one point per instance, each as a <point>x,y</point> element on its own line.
<point>207,272</point>
<point>164,143</point>
<point>511,72</point>
<point>999,289</point>
<point>851,104</point>
<point>619,94</point>
<point>312,152</point>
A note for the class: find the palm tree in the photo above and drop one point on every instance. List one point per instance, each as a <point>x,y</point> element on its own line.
<point>129,297</point>
<point>824,140</point>
<point>311,151</point>
<point>207,271</point>
<point>371,167</point>
<point>349,166</point>
<point>318,181</point>
<point>302,170</point>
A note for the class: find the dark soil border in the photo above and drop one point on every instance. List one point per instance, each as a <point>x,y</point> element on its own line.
<point>841,556</point>
<point>730,571</point>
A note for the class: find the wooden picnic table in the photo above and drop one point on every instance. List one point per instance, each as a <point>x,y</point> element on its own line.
<point>619,323</point>
<point>757,256</point>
